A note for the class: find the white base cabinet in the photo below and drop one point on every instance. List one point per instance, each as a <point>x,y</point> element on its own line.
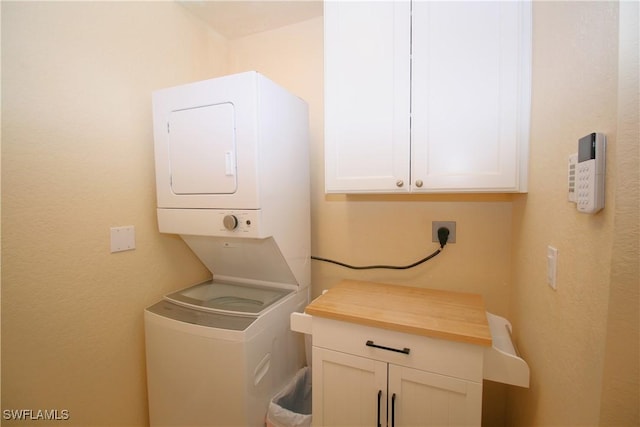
<point>364,376</point>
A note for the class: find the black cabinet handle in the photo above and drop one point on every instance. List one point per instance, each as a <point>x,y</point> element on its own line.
<point>397,350</point>
<point>393,410</point>
<point>379,397</point>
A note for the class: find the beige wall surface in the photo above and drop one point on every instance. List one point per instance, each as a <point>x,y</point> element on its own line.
<point>562,334</point>
<point>621,378</point>
<point>77,159</point>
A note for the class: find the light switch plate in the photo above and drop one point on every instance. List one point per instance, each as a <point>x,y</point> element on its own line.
<point>123,238</point>
<point>552,267</point>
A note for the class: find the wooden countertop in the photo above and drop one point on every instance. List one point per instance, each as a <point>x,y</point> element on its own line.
<point>433,313</point>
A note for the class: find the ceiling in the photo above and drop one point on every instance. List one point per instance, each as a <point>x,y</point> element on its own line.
<point>239,18</point>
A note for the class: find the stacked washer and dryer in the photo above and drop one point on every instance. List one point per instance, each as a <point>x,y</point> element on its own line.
<point>232,174</point>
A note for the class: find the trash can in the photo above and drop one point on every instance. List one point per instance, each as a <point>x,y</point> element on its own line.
<point>291,407</point>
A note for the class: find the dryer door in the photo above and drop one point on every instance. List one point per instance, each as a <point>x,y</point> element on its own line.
<point>202,150</point>
<point>205,143</point>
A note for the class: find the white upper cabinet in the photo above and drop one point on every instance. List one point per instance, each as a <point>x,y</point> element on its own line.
<point>367,95</point>
<point>427,96</point>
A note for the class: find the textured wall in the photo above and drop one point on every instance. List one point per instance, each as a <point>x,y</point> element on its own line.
<point>621,379</point>
<point>77,159</point>
<point>562,333</point>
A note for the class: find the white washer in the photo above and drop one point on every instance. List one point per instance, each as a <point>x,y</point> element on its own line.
<point>232,179</point>
<point>215,368</point>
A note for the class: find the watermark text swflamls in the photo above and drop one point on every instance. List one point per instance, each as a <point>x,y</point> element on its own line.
<point>36,414</point>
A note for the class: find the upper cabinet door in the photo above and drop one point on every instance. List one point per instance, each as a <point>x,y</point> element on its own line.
<point>471,83</point>
<point>367,96</point>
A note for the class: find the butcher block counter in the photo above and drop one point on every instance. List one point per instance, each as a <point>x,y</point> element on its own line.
<point>432,313</point>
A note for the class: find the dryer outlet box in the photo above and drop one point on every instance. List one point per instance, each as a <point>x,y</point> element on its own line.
<point>451,225</point>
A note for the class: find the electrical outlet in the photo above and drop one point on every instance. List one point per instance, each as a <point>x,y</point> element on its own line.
<point>451,225</point>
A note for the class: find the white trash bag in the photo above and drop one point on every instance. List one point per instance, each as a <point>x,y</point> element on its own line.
<point>291,407</point>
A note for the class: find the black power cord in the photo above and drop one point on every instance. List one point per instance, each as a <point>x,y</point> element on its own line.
<point>443,236</point>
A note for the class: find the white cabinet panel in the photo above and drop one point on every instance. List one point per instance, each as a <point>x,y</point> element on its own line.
<point>468,96</point>
<point>428,399</point>
<point>367,70</point>
<point>356,388</point>
<point>463,360</point>
<point>347,390</point>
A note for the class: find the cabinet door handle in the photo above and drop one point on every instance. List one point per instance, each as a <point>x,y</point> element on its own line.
<point>393,410</point>
<point>379,398</point>
<point>397,350</point>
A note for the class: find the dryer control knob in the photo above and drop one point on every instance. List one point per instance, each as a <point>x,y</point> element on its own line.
<point>230,222</point>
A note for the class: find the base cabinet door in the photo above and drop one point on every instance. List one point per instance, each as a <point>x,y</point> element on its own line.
<point>348,390</point>
<point>419,398</point>
<point>355,391</point>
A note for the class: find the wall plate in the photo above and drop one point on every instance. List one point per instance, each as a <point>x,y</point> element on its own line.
<point>123,238</point>
<point>451,225</point>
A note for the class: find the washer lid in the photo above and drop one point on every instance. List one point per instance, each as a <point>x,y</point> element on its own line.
<point>202,318</point>
<point>239,299</point>
<point>243,259</point>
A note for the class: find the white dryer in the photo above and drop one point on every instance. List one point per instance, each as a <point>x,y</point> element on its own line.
<point>232,174</point>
